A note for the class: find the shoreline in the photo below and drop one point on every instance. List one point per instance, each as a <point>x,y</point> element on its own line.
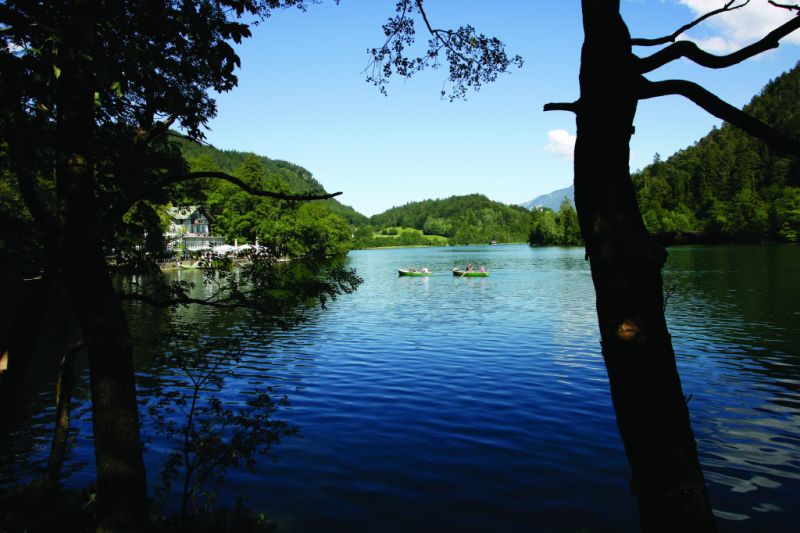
<point>434,246</point>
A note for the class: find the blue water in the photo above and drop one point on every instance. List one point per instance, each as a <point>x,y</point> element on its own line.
<point>482,404</point>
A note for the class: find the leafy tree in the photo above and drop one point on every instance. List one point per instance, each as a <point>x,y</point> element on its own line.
<point>550,228</point>
<point>568,223</point>
<point>786,215</point>
<point>437,226</point>
<point>210,435</point>
<point>90,89</point>
<point>544,227</point>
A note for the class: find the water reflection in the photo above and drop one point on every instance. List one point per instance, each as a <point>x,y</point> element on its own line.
<point>734,321</point>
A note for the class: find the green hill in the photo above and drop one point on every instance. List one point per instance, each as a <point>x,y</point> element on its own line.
<point>729,185</point>
<point>296,178</point>
<point>471,219</point>
<point>291,229</point>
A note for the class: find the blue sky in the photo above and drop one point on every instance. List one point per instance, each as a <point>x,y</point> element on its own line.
<point>302,97</point>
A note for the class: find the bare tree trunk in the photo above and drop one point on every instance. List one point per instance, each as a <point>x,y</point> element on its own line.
<point>626,270</point>
<point>64,386</point>
<point>121,482</point>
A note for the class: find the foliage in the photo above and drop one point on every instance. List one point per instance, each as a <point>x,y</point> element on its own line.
<point>210,435</point>
<point>551,228</point>
<point>473,58</point>
<point>319,229</point>
<point>240,519</point>
<point>470,219</point>
<point>366,237</point>
<point>293,177</point>
<point>729,182</point>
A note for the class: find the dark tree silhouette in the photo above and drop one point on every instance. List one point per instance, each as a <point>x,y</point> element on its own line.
<point>90,90</point>
<point>625,261</point>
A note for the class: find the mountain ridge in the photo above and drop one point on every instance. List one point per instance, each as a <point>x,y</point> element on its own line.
<point>552,200</point>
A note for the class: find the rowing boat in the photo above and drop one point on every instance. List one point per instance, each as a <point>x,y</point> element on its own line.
<point>403,272</point>
<point>470,274</point>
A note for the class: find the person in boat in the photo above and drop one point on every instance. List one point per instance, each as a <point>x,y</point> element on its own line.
<point>412,269</point>
<point>483,269</point>
<point>469,268</point>
<point>424,270</point>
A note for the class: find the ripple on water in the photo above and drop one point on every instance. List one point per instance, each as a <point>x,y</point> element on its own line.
<point>448,403</point>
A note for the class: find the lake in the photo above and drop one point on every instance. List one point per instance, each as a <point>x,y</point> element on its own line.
<point>482,404</point>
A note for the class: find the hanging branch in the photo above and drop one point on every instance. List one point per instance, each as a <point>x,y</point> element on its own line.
<point>692,52</point>
<point>444,37</point>
<point>242,185</point>
<point>671,38</point>
<point>117,213</point>
<point>473,58</point>
<point>720,109</point>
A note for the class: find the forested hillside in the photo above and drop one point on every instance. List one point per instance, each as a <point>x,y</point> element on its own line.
<point>295,178</point>
<point>470,219</point>
<point>319,227</point>
<point>729,185</point>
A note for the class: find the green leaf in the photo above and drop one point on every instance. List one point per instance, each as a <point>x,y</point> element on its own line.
<point>56,71</point>
<point>117,88</point>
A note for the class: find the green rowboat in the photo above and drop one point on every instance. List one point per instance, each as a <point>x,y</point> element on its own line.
<point>470,274</point>
<point>403,272</point>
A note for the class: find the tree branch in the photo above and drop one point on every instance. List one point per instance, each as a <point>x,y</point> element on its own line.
<point>170,302</point>
<point>242,185</point>
<point>157,130</point>
<point>123,208</point>
<point>573,107</point>
<point>691,51</point>
<point>786,6</point>
<point>721,109</point>
<point>473,59</point>
<point>437,33</point>
<point>671,38</point>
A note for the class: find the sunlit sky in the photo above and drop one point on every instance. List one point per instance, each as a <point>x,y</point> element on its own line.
<point>302,97</point>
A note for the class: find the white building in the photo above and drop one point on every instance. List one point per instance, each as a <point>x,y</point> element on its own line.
<point>190,227</point>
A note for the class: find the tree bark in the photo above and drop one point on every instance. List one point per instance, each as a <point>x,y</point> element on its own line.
<point>64,386</point>
<point>121,482</point>
<point>626,263</point>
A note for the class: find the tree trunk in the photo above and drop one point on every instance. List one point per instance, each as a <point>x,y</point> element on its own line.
<point>64,386</point>
<point>626,264</point>
<point>121,482</point>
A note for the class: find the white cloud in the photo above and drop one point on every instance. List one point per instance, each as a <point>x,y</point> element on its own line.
<point>739,27</point>
<point>715,45</point>
<point>561,143</point>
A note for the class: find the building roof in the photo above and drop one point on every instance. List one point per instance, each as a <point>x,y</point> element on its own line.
<point>184,212</point>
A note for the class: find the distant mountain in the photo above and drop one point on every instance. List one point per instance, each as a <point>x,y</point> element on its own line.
<point>552,200</point>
